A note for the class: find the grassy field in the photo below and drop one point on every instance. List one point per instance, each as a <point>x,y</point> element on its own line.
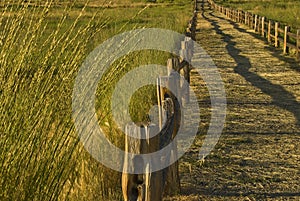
<point>285,11</point>
<point>42,46</point>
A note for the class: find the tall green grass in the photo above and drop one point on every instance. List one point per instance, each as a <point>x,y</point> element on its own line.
<point>284,11</point>
<point>42,46</point>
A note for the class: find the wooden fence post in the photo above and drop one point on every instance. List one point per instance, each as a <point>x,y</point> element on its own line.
<point>263,26</point>
<point>172,181</point>
<point>172,65</point>
<point>173,82</point>
<point>246,16</point>
<point>161,90</point>
<point>132,184</point>
<point>147,186</point>
<point>258,24</point>
<point>229,12</point>
<point>255,23</point>
<point>285,40</point>
<point>276,34</point>
<point>269,31</point>
<point>298,45</point>
<point>249,20</point>
<point>153,180</point>
<point>251,24</point>
<point>186,53</point>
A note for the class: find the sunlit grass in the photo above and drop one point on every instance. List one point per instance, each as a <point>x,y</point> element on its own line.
<point>42,46</point>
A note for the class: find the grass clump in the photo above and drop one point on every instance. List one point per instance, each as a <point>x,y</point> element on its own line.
<point>42,46</point>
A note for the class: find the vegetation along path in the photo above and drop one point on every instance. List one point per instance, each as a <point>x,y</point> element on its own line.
<point>258,154</point>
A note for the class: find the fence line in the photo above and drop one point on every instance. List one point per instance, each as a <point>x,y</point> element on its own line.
<point>267,28</point>
<point>153,186</point>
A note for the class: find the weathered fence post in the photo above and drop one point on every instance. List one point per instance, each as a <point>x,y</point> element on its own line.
<point>255,23</point>
<point>249,20</point>
<point>153,180</point>
<point>259,25</point>
<point>172,181</point>
<point>147,186</point>
<point>229,10</point>
<point>172,65</point>
<point>161,81</point>
<point>186,55</point>
<point>285,40</point>
<point>298,45</point>
<point>132,184</point>
<point>269,31</point>
<point>276,34</point>
<point>252,18</point>
<point>263,26</point>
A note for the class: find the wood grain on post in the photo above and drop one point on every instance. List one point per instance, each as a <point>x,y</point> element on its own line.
<point>172,182</point>
<point>185,86</point>
<point>189,46</point>
<point>276,35</point>
<point>298,45</point>
<point>172,185</point>
<point>147,186</point>
<point>153,180</point>
<point>132,184</point>
<point>263,26</point>
<point>172,65</point>
<point>285,40</point>
<point>258,24</point>
<point>269,31</point>
<point>159,102</point>
<point>255,23</point>
<point>248,18</point>
<point>161,90</point>
<point>173,84</point>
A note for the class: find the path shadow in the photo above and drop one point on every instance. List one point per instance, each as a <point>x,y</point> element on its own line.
<point>280,97</point>
<point>275,52</point>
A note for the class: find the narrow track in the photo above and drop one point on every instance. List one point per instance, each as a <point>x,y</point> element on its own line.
<point>258,154</point>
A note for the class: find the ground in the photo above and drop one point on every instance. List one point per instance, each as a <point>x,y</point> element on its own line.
<point>258,154</point>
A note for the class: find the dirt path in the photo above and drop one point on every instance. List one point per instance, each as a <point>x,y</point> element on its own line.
<point>258,154</point>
